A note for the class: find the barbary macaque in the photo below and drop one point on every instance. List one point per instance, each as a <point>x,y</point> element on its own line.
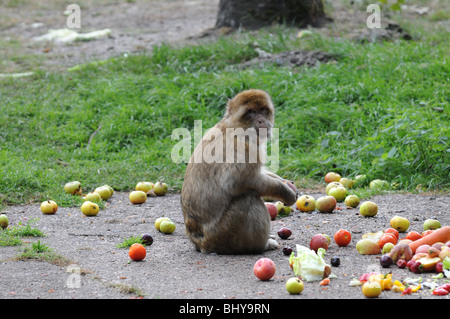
<point>221,194</point>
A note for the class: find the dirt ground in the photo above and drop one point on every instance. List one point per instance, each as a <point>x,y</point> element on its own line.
<point>95,268</point>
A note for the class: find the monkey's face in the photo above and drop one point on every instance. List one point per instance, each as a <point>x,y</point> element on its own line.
<point>251,109</point>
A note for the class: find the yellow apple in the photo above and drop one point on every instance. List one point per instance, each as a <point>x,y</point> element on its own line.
<point>49,207</point>
<point>89,208</point>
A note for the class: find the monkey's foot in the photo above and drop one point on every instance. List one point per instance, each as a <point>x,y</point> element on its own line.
<point>271,244</point>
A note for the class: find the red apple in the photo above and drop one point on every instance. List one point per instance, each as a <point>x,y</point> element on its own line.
<point>318,241</point>
<point>326,204</point>
<point>422,248</point>
<point>264,269</point>
<point>332,177</point>
<point>273,210</point>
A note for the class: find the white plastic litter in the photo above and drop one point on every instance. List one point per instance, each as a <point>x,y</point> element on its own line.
<point>67,35</point>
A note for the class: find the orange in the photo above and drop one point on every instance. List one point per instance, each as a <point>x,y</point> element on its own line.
<point>342,237</point>
<point>137,252</point>
<point>387,238</point>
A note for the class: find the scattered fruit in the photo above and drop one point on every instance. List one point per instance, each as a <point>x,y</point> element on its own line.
<point>273,210</point>
<point>347,182</point>
<point>413,236</point>
<point>399,223</point>
<point>386,261</point>
<point>332,177</point>
<point>332,185</point>
<point>335,261</point>
<point>283,210</point>
<point>401,263</point>
<point>4,221</point>
<point>144,186</point>
<point>392,231</point>
<point>371,289</point>
<point>422,249</point>
<point>401,251</point>
<point>137,252</point>
<point>264,269</point>
<point>387,238</point>
<point>138,197</point>
<point>287,251</point>
<point>167,227</point>
<point>49,207</point>
<point>387,248</point>
<point>158,222</point>
<point>326,204</point>
<point>360,180</point>
<point>441,235</point>
<point>318,241</point>
<point>352,201</point>
<point>306,203</point>
<point>368,247</point>
<point>342,237</point>
<point>93,197</point>
<point>284,233</point>
<point>160,188</point>
<point>294,285</point>
<point>73,188</point>
<point>368,209</point>
<point>147,239</point>
<point>104,191</point>
<point>379,184</point>
<point>89,208</point>
<point>339,193</point>
<point>431,224</point>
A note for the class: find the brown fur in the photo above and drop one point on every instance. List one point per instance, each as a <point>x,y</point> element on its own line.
<point>221,202</point>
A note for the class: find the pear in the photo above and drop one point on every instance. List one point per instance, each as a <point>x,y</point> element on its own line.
<point>431,224</point>
<point>399,223</point>
<point>368,247</point>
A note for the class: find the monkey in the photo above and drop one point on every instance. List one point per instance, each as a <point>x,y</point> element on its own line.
<point>221,199</point>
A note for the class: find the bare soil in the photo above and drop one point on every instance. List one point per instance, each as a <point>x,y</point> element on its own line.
<point>91,266</point>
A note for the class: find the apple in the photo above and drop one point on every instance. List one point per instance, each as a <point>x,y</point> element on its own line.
<point>326,204</point>
<point>167,227</point>
<point>445,252</point>
<point>284,233</point>
<point>387,248</point>
<point>104,192</point>
<point>339,193</point>
<point>368,209</point>
<point>332,177</point>
<point>144,186</point>
<point>379,184</point>
<point>332,185</point>
<point>422,249</point>
<point>49,207</point>
<point>137,197</point>
<point>294,285</point>
<point>318,241</point>
<point>158,222</point>
<point>371,289</point>
<point>306,203</point>
<point>4,221</point>
<point>110,189</point>
<point>327,237</point>
<point>283,210</point>
<point>160,188</point>
<point>368,247</point>
<point>347,182</point>
<point>273,210</point>
<point>93,197</point>
<point>399,223</point>
<point>89,208</point>
<point>431,224</point>
<point>73,188</point>
<point>264,269</point>
<point>352,201</point>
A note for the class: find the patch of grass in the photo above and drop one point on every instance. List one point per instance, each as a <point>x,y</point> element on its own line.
<point>12,236</point>
<point>127,242</point>
<point>381,110</point>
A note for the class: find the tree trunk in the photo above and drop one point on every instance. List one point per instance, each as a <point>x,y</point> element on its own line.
<point>254,14</point>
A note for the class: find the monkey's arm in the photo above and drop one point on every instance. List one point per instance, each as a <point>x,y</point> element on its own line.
<point>268,186</point>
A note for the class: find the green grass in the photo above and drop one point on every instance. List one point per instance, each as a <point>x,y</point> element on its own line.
<point>381,110</point>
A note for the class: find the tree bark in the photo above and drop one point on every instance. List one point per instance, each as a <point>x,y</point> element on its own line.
<point>254,14</point>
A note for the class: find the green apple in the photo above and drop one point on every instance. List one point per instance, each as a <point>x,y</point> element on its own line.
<point>167,227</point>
<point>294,285</point>
<point>306,203</point>
<point>49,207</point>
<point>104,192</point>
<point>93,197</point>
<point>431,224</point>
<point>159,220</point>
<point>4,221</point>
<point>387,248</point>
<point>352,201</point>
<point>73,188</point>
<point>160,188</point>
<point>339,193</point>
<point>144,186</point>
<point>138,197</point>
<point>379,184</point>
<point>89,208</point>
<point>110,189</point>
<point>332,185</point>
<point>326,204</point>
<point>347,182</point>
<point>360,180</point>
<point>399,223</point>
<point>368,209</point>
